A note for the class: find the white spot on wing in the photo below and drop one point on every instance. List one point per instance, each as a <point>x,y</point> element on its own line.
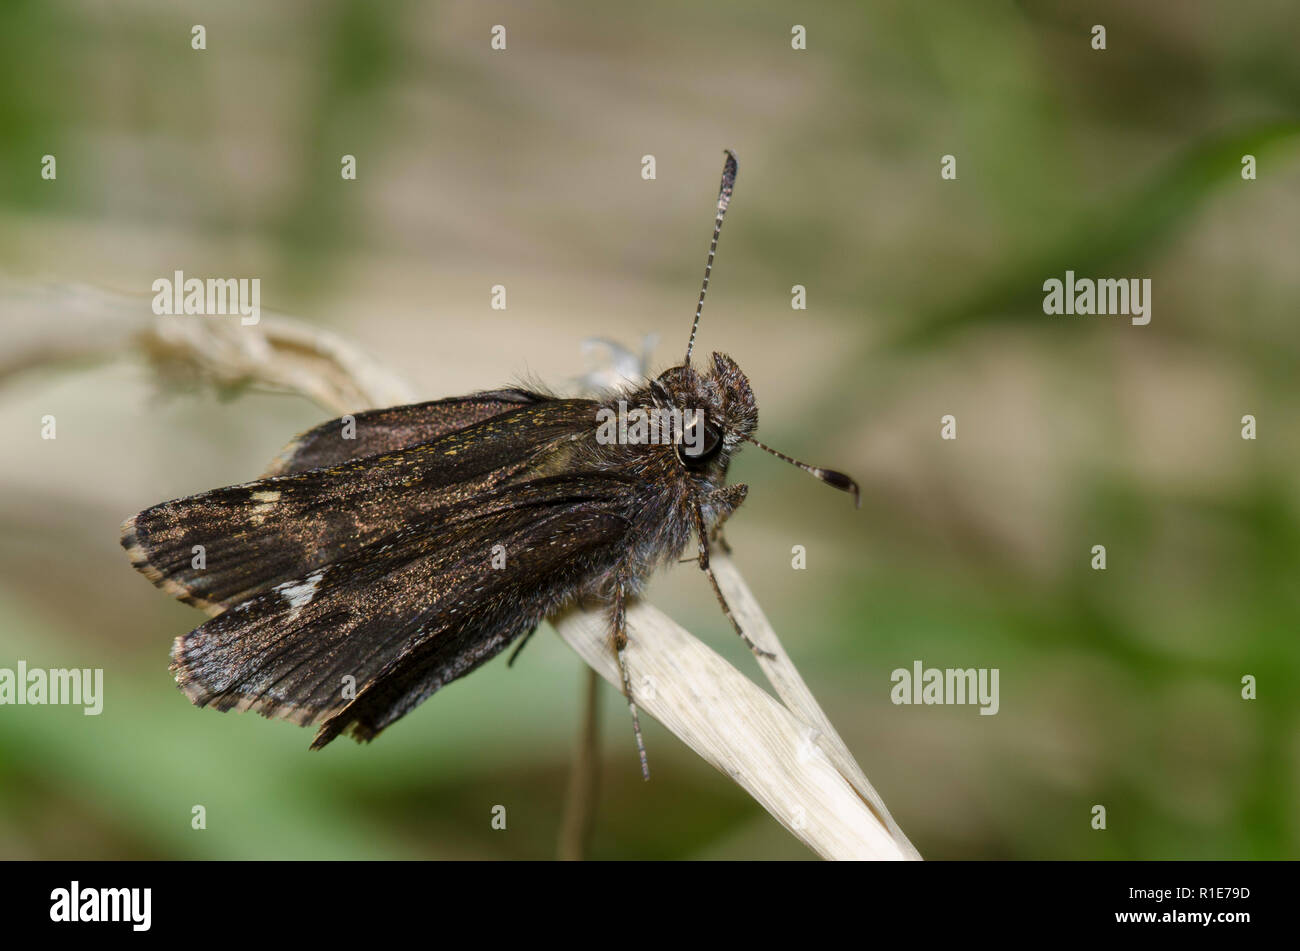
<point>299,593</point>
<point>265,503</point>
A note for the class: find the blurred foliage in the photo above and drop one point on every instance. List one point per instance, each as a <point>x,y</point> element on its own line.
<point>1119,687</point>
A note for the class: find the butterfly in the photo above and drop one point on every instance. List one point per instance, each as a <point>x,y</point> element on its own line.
<point>385,554</point>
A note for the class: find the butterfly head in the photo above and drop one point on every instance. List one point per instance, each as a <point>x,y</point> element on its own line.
<point>718,412</point>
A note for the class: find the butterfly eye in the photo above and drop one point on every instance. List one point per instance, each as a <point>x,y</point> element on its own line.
<point>696,448</point>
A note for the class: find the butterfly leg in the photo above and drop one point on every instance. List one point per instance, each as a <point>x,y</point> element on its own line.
<point>619,619</point>
<point>724,502</point>
<point>519,648</point>
<point>721,504</point>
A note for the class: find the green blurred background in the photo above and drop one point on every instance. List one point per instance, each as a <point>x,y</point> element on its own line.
<point>522,167</point>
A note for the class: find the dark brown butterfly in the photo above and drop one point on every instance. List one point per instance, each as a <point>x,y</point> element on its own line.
<point>385,555</point>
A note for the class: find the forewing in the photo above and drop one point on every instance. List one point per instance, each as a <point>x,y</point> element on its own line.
<point>411,611</point>
<point>218,548</point>
<point>396,427</point>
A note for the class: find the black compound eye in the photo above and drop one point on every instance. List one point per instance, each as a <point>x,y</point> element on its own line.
<point>700,441</point>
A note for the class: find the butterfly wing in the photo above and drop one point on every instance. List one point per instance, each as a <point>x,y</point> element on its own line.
<point>216,549</point>
<point>396,427</point>
<point>411,611</point>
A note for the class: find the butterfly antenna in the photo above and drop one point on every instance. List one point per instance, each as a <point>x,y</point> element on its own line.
<point>829,476</point>
<point>724,199</point>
